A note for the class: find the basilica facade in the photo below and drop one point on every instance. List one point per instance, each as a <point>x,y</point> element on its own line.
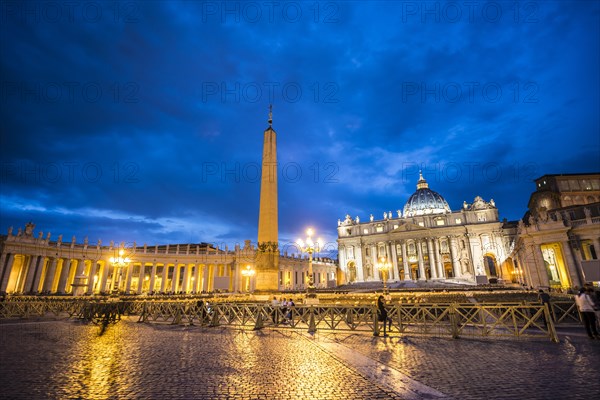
<point>426,241</point>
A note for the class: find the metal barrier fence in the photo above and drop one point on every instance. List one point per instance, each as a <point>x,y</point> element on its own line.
<point>452,319</point>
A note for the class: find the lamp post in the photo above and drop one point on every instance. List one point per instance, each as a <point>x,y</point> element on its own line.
<point>309,246</point>
<point>248,273</point>
<point>384,266</point>
<point>118,263</point>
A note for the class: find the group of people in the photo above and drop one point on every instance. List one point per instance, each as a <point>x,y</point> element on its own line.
<point>282,307</point>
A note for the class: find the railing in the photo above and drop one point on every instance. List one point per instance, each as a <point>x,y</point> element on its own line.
<point>453,320</point>
<point>523,320</point>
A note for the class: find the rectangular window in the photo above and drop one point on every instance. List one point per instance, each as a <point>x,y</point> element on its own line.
<point>421,223</point>
<point>366,231</point>
<point>440,222</point>
<point>563,185</point>
<point>574,185</point>
<point>379,229</point>
<point>458,221</point>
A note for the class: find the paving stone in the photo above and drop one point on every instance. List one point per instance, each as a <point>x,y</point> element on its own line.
<point>70,360</point>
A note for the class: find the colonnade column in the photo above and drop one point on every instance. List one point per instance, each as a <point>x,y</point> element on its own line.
<point>141,277</point>
<point>31,270</point>
<point>7,266</point>
<point>196,278</point>
<point>128,277</point>
<point>5,269</point>
<point>152,278</point>
<point>49,279</point>
<point>431,258</point>
<point>186,277</point>
<point>64,274</point>
<point>165,275</point>
<point>90,282</point>
<point>407,276</point>
<point>421,266</point>
<point>175,279</point>
<point>205,278</point>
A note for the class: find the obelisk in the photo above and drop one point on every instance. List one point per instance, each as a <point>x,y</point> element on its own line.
<point>267,257</point>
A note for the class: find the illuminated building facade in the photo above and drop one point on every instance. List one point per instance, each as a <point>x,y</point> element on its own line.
<point>558,244</point>
<point>426,240</point>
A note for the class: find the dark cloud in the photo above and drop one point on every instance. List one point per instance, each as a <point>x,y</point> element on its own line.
<point>146,123</point>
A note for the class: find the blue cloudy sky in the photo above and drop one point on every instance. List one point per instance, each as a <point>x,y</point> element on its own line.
<point>143,121</point>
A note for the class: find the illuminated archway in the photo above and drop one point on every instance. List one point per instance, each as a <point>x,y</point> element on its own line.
<point>491,267</point>
<point>555,265</point>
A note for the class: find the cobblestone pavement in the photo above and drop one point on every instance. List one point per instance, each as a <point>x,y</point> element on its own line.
<point>67,360</point>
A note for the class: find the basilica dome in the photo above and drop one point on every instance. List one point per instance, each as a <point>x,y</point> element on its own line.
<point>425,201</point>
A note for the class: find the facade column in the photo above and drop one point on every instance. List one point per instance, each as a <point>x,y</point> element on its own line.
<point>422,275</point>
<point>576,273</point>
<point>374,260</point>
<point>596,243</point>
<point>141,277</point>
<point>31,269</point>
<point>165,275</point>
<point>7,265</point>
<point>49,279</point>
<point>395,260</point>
<point>438,259</point>
<point>432,266</point>
<point>405,265</point>
<point>540,267</point>
<point>454,256</point>
<point>64,274</point>
<point>91,276</point>
<point>152,278</point>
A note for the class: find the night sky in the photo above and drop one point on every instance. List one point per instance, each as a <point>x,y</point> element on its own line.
<point>143,121</point>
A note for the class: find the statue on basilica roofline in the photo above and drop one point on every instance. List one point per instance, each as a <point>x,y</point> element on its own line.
<point>29,229</point>
<point>371,218</point>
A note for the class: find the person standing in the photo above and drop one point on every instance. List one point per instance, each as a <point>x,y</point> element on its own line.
<point>586,308</point>
<point>382,314</point>
<point>275,310</point>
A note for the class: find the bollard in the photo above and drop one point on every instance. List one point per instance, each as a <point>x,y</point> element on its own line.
<point>375,322</point>
<point>312,327</point>
<point>259,321</point>
<point>550,324</point>
<point>453,321</point>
